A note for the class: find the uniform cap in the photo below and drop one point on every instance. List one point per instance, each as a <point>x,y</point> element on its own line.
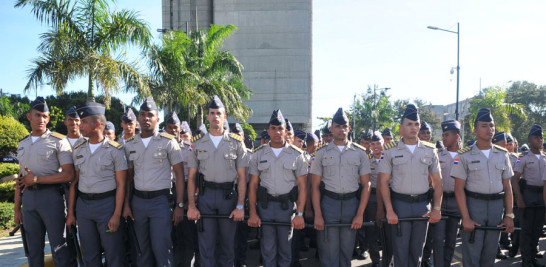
<point>411,113</point>
<point>288,125</point>
<point>173,118</point>
<point>300,134</point>
<point>386,132</point>
<point>39,104</point>
<point>536,130</point>
<point>499,136</point>
<point>72,112</point>
<point>109,126</point>
<point>90,108</point>
<point>425,126</point>
<point>451,125</point>
<point>148,104</point>
<point>376,136</point>
<point>264,135</point>
<point>484,114</point>
<point>340,117</point>
<point>326,129</point>
<point>184,127</point>
<point>216,102</point>
<point>237,128</point>
<point>128,116</point>
<point>318,134</point>
<point>277,118</point>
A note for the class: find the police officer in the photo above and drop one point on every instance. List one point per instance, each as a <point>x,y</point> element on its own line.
<point>482,173</point>
<point>319,136</point>
<point>110,131</point>
<point>444,233</point>
<point>425,135</point>
<point>365,140</point>
<point>101,169</point>
<point>407,165</point>
<point>220,159</point>
<point>326,134</point>
<point>528,190</point>
<point>45,160</point>
<point>500,139</point>
<point>299,138</point>
<point>264,137</point>
<point>278,178</point>
<point>185,132</point>
<point>512,247</point>
<point>340,166</point>
<point>425,132</point>
<point>72,123</point>
<point>150,158</point>
<point>387,136</point>
<point>129,124</point>
<point>289,131</point>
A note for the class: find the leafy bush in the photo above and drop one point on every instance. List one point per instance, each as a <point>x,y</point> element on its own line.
<point>6,215</point>
<point>11,132</point>
<point>7,191</point>
<point>7,169</point>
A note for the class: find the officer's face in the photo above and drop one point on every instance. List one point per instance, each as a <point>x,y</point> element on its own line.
<point>409,129</point>
<point>501,143</point>
<point>484,130</point>
<point>365,143</point>
<point>38,120</point>
<point>216,117</point>
<point>328,137</point>
<point>87,126</point>
<point>110,134</point>
<point>298,142</point>
<point>387,138</point>
<point>510,147</point>
<point>289,137</point>
<point>173,129</point>
<point>449,138</point>
<point>277,134</point>
<point>340,131</point>
<point>185,137</point>
<point>129,127</point>
<point>535,142</point>
<point>376,146</point>
<point>72,124</point>
<point>148,120</point>
<point>311,146</point>
<point>425,135</point>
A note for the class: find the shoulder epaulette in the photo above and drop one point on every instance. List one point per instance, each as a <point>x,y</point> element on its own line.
<point>24,138</point>
<point>359,146</point>
<point>464,149</point>
<point>296,148</point>
<point>258,148</point>
<point>391,145</point>
<point>501,148</point>
<point>116,144</point>
<point>370,156</point>
<point>197,137</point>
<point>166,135</point>
<point>429,144</point>
<point>58,135</point>
<point>79,144</point>
<point>236,137</point>
<point>130,138</point>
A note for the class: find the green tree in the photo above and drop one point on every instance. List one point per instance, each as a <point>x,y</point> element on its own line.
<point>249,131</point>
<point>81,42</point>
<point>533,99</point>
<point>494,98</point>
<point>372,110</point>
<point>11,131</point>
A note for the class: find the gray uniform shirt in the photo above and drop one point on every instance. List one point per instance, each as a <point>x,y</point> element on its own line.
<point>483,175</point>
<point>532,168</point>
<point>219,165</point>
<point>278,174</point>
<point>98,169</point>
<point>446,163</point>
<point>374,165</point>
<point>513,158</point>
<point>184,150</point>
<point>152,164</point>
<point>409,171</point>
<point>341,171</point>
<point>46,155</point>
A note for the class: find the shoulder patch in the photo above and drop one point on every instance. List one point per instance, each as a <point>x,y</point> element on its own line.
<point>429,144</point>
<point>390,145</point>
<point>58,135</point>
<point>130,138</point>
<point>236,137</point>
<point>116,144</point>
<point>359,146</point>
<point>501,148</point>
<point>296,148</point>
<point>79,144</point>
<point>256,149</point>
<point>197,137</point>
<point>464,149</point>
<point>166,135</point>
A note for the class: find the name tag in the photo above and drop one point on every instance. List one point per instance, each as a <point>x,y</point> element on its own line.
<point>328,157</point>
<point>131,152</point>
<point>399,156</point>
<point>475,161</point>
<point>372,169</point>
<point>441,161</point>
<point>79,156</point>
<point>263,161</point>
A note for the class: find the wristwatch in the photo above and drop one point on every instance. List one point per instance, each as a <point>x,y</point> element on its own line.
<point>510,215</point>
<point>180,204</point>
<point>35,179</point>
<point>299,213</point>
<point>239,207</point>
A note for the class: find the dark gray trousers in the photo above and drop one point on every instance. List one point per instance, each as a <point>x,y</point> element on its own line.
<point>93,217</point>
<point>337,249</point>
<point>531,224</point>
<point>44,211</point>
<point>408,248</point>
<point>484,249</point>
<point>217,240</point>
<point>444,233</point>
<point>276,242</point>
<point>153,226</point>
<point>372,233</point>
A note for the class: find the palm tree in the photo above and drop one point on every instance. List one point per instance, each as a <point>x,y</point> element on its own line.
<point>81,42</point>
<point>494,98</point>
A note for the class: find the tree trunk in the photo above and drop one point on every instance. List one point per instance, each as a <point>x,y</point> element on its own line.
<point>91,89</point>
<point>199,116</point>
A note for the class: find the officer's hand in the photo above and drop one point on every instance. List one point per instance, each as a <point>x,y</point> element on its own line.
<point>319,222</point>
<point>113,223</point>
<point>434,216</point>
<point>508,223</point>
<point>28,180</point>
<point>469,224</point>
<point>70,220</point>
<point>127,213</point>
<point>193,213</point>
<point>357,221</point>
<point>520,203</point>
<point>380,215</point>
<point>298,223</point>
<point>254,220</point>
<point>178,215</point>
<point>237,215</point>
<point>18,218</point>
<point>392,218</point>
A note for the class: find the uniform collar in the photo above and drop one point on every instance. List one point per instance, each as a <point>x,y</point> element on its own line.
<point>348,146</point>
<point>44,135</point>
<point>476,150</point>
<point>269,149</point>
<point>402,145</point>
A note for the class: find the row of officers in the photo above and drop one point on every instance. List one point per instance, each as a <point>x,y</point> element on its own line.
<point>155,179</point>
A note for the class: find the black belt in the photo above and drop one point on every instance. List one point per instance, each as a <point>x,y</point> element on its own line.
<point>96,196</point>
<point>372,190</point>
<point>152,194</point>
<point>279,198</point>
<point>410,198</point>
<point>224,186</point>
<point>43,186</point>
<point>484,196</point>
<point>449,194</point>
<point>337,196</point>
<point>534,188</point>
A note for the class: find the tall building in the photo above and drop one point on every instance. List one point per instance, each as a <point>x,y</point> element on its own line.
<point>274,44</point>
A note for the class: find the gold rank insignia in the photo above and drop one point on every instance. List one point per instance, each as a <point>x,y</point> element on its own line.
<point>391,145</point>
<point>197,137</point>
<point>464,149</point>
<point>58,135</point>
<point>115,144</point>
<point>236,137</point>
<point>166,135</point>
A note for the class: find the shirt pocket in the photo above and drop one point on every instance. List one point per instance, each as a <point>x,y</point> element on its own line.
<point>106,165</point>
<point>78,163</point>
<point>400,165</point>
<point>160,155</point>
<point>330,166</point>
<point>353,165</point>
<point>264,167</point>
<point>425,163</point>
<point>500,168</point>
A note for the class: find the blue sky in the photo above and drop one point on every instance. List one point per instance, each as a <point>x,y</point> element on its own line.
<point>357,43</point>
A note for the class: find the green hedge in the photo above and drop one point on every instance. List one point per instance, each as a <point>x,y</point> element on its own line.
<point>7,191</point>
<point>11,132</point>
<point>6,215</point>
<point>7,169</point>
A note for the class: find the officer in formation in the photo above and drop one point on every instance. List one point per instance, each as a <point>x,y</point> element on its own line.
<point>338,171</point>
<point>98,190</point>
<point>299,138</point>
<point>425,132</point>
<point>406,166</point>
<point>483,191</point>
<point>217,165</point>
<point>500,139</point>
<point>151,156</point>
<point>110,131</point>
<point>289,132</point>
<point>278,179</point>
<point>45,160</point>
<point>129,124</point>
<point>326,134</point>
<point>72,123</point>
<point>387,135</point>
